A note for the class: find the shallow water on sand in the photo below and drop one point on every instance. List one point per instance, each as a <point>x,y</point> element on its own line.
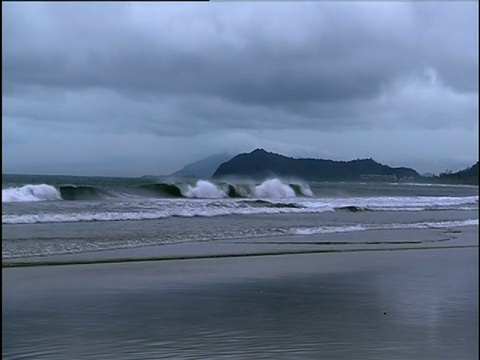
<point>409,304</point>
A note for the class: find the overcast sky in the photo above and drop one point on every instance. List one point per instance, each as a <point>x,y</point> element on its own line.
<point>144,88</point>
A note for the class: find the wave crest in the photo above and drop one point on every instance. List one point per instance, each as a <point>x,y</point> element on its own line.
<point>163,189</point>
<point>72,192</point>
<point>302,189</point>
<point>273,188</point>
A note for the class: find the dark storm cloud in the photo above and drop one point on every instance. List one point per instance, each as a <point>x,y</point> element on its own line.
<point>187,69</point>
<point>337,55</point>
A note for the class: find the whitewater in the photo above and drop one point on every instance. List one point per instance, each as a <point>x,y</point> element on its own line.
<point>202,189</point>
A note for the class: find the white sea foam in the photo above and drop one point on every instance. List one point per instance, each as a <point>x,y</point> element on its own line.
<point>429,225</point>
<point>327,230</point>
<point>204,189</point>
<point>79,217</point>
<point>187,210</point>
<point>28,193</point>
<point>273,188</point>
<point>217,205</point>
<point>410,203</point>
<point>394,226</point>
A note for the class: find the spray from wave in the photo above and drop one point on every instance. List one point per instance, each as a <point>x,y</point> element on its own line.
<point>273,188</point>
<point>204,189</point>
<point>28,193</point>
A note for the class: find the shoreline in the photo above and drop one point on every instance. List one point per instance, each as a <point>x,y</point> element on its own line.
<point>22,264</point>
<point>360,241</point>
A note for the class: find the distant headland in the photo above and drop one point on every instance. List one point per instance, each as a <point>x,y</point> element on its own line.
<point>261,164</point>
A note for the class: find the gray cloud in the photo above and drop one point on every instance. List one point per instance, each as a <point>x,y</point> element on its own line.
<point>201,71</point>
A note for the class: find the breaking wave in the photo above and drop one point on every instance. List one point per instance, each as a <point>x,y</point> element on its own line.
<point>163,190</point>
<point>202,189</point>
<point>28,193</point>
<point>273,188</point>
<point>72,192</point>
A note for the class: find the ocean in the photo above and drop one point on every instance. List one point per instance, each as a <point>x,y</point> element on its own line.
<point>163,268</point>
<point>54,215</point>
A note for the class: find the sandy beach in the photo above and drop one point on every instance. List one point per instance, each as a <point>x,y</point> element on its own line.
<point>415,304</point>
<point>372,240</point>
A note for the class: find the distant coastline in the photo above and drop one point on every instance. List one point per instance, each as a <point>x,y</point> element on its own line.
<point>260,164</point>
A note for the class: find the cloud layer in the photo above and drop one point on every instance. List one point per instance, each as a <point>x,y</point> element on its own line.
<point>132,88</point>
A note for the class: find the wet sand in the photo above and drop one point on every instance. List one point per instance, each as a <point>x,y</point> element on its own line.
<point>405,304</point>
<point>370,240</point>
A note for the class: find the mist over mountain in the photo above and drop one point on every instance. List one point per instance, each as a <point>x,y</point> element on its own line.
<point>203,168</point>
<point>262,164</point>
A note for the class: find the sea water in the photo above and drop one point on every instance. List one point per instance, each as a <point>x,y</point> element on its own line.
<point>53,215</point>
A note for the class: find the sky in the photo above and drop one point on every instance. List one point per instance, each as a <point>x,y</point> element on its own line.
<point>129,89</point>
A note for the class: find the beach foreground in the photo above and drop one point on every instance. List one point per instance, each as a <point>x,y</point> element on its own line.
<point>411,303</point>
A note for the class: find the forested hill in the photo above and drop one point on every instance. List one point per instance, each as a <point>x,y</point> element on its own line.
<point>467,176</point>
<point>262,164</point>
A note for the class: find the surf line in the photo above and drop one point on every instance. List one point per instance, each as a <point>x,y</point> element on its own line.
<point>218,256</point>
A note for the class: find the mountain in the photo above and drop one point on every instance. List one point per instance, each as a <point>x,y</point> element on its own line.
<point>467,176</point>
<point>262,164</point>
<point>203,168</point>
